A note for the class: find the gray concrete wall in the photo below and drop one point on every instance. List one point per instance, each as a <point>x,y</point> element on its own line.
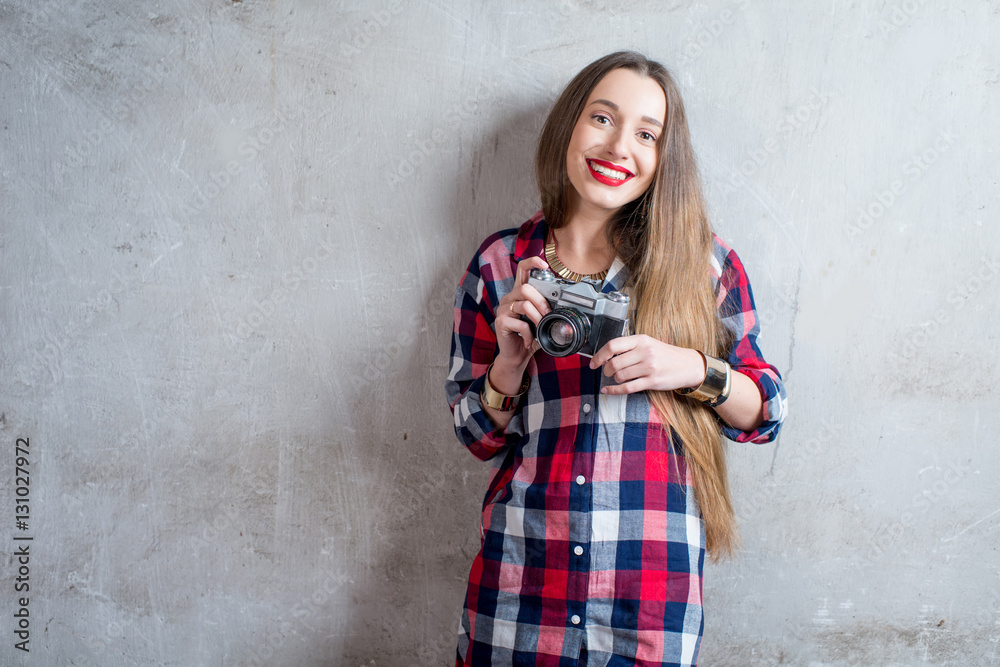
<point>229,237</point>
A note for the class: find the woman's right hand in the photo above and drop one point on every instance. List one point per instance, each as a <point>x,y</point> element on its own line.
<point>514,338</point>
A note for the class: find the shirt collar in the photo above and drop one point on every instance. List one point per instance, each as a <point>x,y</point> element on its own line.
<point>531,238</point>
<point>617,277</point>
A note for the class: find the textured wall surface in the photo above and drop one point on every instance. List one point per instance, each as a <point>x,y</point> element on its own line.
<point>229,238</point>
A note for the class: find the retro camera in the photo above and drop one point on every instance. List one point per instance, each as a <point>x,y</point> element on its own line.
<point>582,319</point>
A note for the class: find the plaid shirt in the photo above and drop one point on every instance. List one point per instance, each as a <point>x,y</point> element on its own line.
<point>591,538</point>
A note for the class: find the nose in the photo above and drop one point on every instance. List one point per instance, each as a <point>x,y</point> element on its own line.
<point>617,146</point>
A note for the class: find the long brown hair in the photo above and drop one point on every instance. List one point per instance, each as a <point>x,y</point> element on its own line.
<point>665,239</point>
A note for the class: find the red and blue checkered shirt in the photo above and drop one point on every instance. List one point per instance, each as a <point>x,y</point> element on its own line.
<point>592,540</point>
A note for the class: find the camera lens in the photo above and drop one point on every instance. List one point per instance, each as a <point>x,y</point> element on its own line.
<point>563,332</point>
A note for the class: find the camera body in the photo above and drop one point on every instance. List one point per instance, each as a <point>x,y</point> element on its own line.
<point>582,319</point>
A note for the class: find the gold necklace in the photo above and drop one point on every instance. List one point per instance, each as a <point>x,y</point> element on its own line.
<point>553,259</point>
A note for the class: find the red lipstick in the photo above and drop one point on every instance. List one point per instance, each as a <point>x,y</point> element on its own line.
<point>607,180</point>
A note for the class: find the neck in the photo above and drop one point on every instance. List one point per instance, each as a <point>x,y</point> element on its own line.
<point>589,218</point>
<point>582,244</point>
<point>582,240</point>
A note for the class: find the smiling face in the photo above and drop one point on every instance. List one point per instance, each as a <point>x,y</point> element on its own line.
<point>612,153</point>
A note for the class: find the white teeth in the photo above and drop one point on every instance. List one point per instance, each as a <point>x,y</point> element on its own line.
<point>610,173</point>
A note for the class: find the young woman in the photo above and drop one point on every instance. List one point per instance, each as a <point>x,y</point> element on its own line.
<point>609,481</point>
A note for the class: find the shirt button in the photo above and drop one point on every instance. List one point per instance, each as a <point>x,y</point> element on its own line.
<point>578,550</point>
<point>580,479</point>
<point>586,408</point>
<point>575,620</point>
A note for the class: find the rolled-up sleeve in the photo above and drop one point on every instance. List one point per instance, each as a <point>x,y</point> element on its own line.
<point>473,349</point>
<point>739,315</point>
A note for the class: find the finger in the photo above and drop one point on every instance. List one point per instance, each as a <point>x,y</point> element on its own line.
<point>506,307</point>
<point>520,307</point>
<point>613,347</point>
<point>626,366</point>
<point>524,268</point>
<point>624,371</point>
<point>530,310</point>
<point>535,299</point>
<point>629,387</point>
<point>513,325</point>
<point>601,357</point>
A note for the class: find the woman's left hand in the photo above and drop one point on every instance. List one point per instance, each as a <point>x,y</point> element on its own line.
<point>642,362</point>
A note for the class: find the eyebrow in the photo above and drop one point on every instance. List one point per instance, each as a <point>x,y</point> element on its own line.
<point>614,107</point>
